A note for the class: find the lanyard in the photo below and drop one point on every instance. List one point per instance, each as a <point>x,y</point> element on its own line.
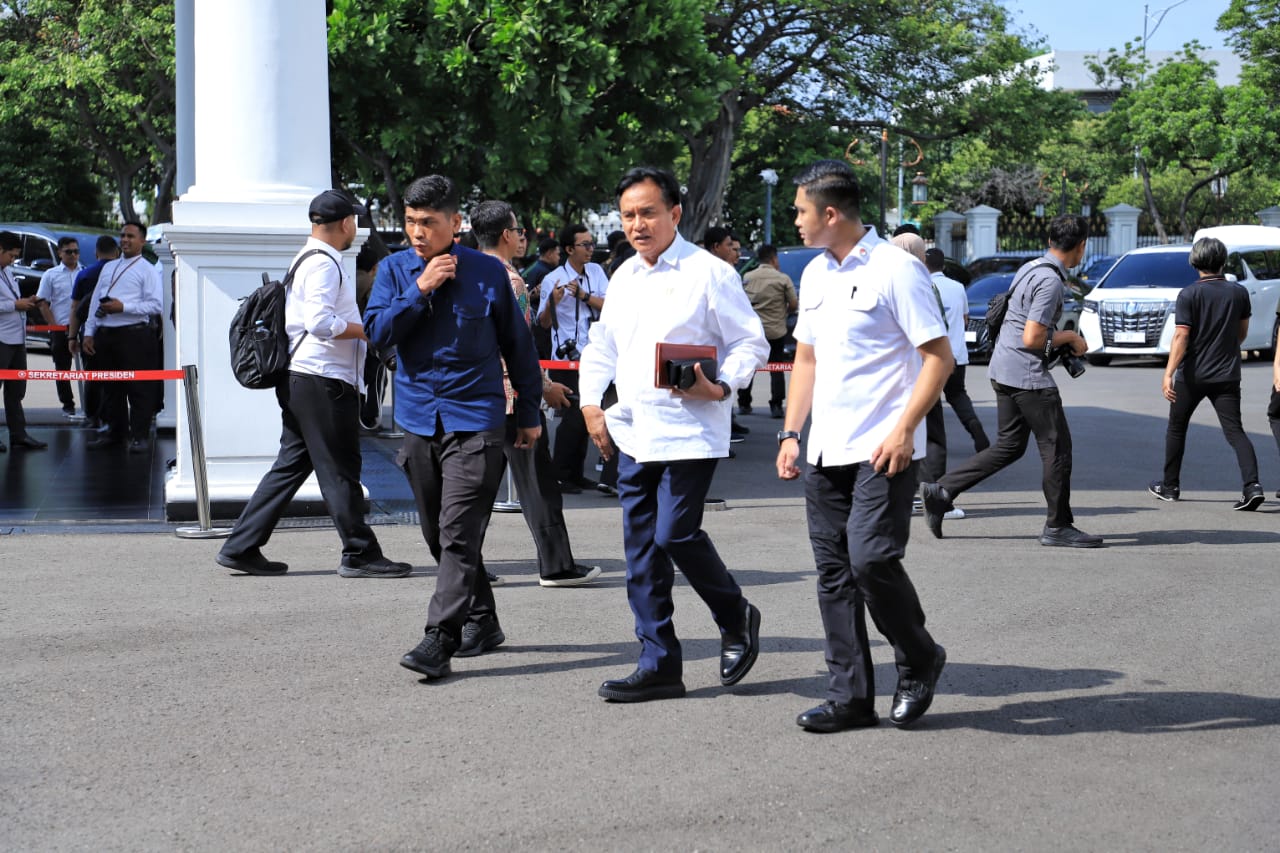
<point>119,274</point>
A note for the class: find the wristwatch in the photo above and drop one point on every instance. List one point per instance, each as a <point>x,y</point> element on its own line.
<point>784,434</point>
<point>727,390</point>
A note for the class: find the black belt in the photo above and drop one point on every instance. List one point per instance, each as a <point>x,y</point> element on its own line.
<point>144,324</point>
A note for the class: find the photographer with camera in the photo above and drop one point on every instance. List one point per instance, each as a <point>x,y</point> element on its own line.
<point>1027,399</point>
<point>572,297</point>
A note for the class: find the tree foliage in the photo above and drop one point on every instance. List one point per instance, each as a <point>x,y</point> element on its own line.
<point>538,102</point>
<point>99,73</point>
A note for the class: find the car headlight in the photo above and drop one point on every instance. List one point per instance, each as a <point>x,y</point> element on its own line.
<point>1090,306</point>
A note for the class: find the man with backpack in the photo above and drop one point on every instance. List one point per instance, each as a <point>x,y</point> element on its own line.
<point>319,406</point>
<point>1027,399</point>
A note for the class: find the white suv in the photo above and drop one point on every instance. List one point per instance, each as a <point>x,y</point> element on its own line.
<point>1130,312</point>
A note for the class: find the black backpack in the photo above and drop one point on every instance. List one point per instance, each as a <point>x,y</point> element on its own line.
<point>260,352</point>
<point>998,307</point>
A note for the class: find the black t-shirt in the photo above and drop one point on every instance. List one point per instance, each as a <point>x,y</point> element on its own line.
<point>1213,308</point>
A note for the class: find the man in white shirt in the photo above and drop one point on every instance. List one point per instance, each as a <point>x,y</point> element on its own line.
<point>13,343</point>
<point>55,293</point>
<point>871,358</point>
<point>956,303</point>
<point>668,440</point>
<point>572,298</point>
<point>120,335</point>
<point>319,407</point>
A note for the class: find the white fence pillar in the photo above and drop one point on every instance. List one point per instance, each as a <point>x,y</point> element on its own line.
<point>943,223</point>
<point>1270,216</point>
<point>1122,228</point>
<point>982,224</point>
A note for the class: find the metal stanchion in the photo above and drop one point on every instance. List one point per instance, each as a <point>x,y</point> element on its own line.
<point>77,419</point>
<point>195,425</point>
<point>392,431</point>
<point>512,503</point>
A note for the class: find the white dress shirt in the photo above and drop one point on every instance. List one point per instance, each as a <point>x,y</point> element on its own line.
<point>688,297</point>
<point>322,301</point>
<point>956,303</point>
<point>56,286</point>
<point>864,318</point>
<point>13,323</point>
<point>133,281</point>
<point>573,316</point>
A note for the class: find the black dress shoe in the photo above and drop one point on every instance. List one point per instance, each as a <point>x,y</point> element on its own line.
<point>643,685</point>
<point>569,488</point>
<point>105,442</point>
<point>914,696</point>
<point>251,563</point>
<point>29,443</point>
<point>1069,537</point>
<point>738,652</point>
<point>937,503</point>
<point>835,717</point>
<point>139,445</point>
<point>431,656</point>
<point>480,637</point>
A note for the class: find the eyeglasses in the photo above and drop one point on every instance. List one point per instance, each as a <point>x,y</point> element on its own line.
<point>70,251</point>
<point>516,229</point>
<point>585,245</point>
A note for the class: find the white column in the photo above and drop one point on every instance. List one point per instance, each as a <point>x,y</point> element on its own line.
<point>982,235</point>
<point>943,223</point>
<point>261,154</point>
<point>1269,216</point>
<point>1122,228</point>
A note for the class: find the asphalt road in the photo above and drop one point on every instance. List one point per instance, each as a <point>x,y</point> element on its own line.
<point>1125,698</point>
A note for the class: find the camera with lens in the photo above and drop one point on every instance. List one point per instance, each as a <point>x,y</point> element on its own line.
<point>1074,364</point>
<point>680,373</point>
<point>568,350</point>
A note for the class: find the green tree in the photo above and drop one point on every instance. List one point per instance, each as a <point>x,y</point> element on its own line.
<point>99,72</point>
<point>46,178</point>
<point>540,103</point>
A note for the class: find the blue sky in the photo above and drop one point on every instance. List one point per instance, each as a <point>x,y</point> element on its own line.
<point>1102,24</point>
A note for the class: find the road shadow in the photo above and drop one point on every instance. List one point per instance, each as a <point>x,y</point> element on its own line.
<point>1130,712</point>
<point>1192,537</point>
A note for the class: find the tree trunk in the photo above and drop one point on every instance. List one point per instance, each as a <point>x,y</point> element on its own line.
<point>711,155</point>
<point>164,192</point>
<point>1151,201</point>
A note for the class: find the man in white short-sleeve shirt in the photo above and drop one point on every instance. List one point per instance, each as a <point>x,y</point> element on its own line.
<point>871,359</point>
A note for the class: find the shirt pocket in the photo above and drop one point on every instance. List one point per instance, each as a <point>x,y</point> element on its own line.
<point>474,335</point>
<point>860,316</point>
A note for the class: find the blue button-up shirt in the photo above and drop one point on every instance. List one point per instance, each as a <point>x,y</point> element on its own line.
<point>448,344</point>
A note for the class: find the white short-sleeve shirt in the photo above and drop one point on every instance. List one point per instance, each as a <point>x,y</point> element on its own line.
<point>864,317</point>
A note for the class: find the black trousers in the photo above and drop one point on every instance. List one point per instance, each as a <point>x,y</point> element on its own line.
<point>318,433</point>
<point>1225,398</point>
<point>935,446</point>
<point>128,407</point>
<point>957,397</point>
<point>14,357</point>
<point>1021,413</point>
<point>859,521</point>
<point>777,380</point>
<point>62,361</point>
<point>454,477</point>
<point>540,501</point>
<point>1273,415</point>
<point>571,434</point>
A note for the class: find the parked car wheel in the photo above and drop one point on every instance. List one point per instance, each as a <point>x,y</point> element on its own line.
<point>1099,360</point>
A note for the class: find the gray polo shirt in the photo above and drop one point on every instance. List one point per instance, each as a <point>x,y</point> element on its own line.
<point>1038,296</point>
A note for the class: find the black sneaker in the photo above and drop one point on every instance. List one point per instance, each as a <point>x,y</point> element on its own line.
<point>251,563</point>
<point>776,412</point>
<point>744,410</point>
<point>937,503</point>
<point>379,568</point>
<point>431,656</point>
<point>1069,537</point>
<point>578,576</point>
<point>494,580</point>
<point>480,637</point>
<point>1251,499</point>
<point>568,488</point>
<point>1165,493</point>
<point>606,489</point>
<point>736,428</point>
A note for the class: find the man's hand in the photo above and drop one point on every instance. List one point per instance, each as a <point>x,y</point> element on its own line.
<point>88,345</point>
<point>73,345</point>
<point>1079,345</point>
<point>527,437</point>
<point>598,430</point>
<point>702,389</point>
<point>111,306</point>
<point>439,269</point>
<point>788,455</point>
<point>556,395</point>
<point>26,303</point>
<point>894,453</point>
<point>1169,393</point>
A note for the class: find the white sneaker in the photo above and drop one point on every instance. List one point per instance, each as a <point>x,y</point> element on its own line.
<point>917,506</point>
<point>953,513</point>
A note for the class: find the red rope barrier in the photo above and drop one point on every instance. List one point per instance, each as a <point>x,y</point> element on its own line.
<point>46,328</point>
<point>91,375</point>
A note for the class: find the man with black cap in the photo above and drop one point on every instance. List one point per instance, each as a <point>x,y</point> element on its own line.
<point>319,406</point>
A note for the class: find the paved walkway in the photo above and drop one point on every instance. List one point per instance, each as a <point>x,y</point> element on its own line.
<point>1124,698</point>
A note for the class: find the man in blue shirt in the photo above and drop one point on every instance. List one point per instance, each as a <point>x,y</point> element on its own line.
<point>450,312</point>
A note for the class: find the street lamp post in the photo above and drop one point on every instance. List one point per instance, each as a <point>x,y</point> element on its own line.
<point>770,178</point>
<point>884,167</point>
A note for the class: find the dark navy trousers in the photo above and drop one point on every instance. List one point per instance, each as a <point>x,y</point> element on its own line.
<point>662,505</point>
